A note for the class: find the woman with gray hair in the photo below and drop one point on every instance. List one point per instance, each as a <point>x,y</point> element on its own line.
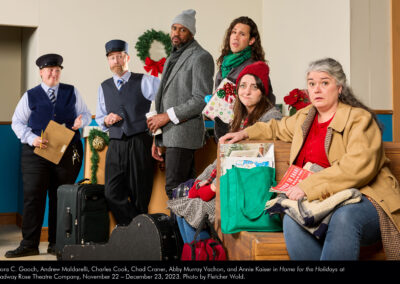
<point>341,135</point>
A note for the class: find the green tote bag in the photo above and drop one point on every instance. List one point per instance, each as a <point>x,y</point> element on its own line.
<point>243,194</point>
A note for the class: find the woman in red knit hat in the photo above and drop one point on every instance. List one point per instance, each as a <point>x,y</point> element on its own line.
<point>252,105</point>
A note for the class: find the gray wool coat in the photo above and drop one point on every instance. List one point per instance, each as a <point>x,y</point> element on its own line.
<point>190,80</point>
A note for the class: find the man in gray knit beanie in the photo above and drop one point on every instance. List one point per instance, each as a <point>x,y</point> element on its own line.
<point>186,79</point>
<point>187,19</point>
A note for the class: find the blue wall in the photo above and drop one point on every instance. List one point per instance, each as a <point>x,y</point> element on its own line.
<point>11,178</point>
<point>386,120</point>
<point>10,171</point>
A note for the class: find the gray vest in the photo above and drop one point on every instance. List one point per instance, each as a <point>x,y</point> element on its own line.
<point>129,103</point>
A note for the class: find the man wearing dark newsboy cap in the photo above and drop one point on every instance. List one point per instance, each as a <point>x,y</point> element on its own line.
<point>50,100</point>
<point>116,45</point>
<point>123,101</point>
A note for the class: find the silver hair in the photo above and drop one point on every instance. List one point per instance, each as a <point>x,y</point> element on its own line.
<point>335,69</point>
<point>330,66</point>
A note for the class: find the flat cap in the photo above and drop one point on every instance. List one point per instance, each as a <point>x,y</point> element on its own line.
<point>116,45</point>
<point>49,60</point>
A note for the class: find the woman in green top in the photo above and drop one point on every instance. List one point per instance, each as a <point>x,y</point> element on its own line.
<point>241,47</point>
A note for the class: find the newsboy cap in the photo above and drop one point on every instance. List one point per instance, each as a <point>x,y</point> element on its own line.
<point>116,45</point>
<point>49,60</point>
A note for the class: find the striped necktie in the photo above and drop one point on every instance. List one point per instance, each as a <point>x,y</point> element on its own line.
<point>120,82</point>
<point>52,97</point>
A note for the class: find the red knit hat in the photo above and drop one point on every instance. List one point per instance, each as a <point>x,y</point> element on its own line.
<point>261,70</point>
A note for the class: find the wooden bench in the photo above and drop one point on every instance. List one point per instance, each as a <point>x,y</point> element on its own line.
<point>271,245</point>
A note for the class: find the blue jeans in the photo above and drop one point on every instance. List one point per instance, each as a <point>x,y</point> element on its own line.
<point>188,231</point>
<point>350,227</point>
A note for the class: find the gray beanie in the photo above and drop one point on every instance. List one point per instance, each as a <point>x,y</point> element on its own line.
<point>187,19</point>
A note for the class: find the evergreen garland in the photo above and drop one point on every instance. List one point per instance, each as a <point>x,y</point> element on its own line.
<point>95,156</point>
<point>145,40</point>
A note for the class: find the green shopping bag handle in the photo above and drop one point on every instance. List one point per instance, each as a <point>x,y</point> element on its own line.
<point>256,213</point>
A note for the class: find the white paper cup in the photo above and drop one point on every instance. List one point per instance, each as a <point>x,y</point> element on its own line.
<point>150,114</point>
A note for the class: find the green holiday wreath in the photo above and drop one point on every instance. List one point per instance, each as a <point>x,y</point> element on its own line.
<point>143,48</point>
<point>97,141</point>
<point>145,40</point>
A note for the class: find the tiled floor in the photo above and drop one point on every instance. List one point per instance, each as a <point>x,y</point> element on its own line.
<point>10,237</point>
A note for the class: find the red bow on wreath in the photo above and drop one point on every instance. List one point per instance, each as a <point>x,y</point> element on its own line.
<point>228,92</point>
<point>155,66</point>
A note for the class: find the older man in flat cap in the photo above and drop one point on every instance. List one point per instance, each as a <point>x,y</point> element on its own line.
<point>123,101</point>
<point>51,100</point>
<point>187,79</point>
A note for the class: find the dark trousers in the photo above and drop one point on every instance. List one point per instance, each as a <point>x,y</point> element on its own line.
<point>179,167</point>
<point>129,176</point>
<point>39,178</point>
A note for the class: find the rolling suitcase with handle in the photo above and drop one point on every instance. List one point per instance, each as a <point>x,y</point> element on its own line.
<point>82,215</point>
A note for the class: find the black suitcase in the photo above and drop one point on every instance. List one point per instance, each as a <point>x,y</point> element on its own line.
<point>82,215</point>
<point>148,237</point>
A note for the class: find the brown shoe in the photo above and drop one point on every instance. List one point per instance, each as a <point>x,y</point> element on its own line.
<point>21,251</point>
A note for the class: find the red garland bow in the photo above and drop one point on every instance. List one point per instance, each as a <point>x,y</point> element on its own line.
<point>155,66</point>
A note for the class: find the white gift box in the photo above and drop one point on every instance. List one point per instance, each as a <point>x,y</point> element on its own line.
<point>220,107</point>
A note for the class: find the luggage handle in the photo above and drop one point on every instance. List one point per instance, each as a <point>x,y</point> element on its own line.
<point>68,222</point>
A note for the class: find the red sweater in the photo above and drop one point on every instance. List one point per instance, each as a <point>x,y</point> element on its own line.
<point>313,149</point>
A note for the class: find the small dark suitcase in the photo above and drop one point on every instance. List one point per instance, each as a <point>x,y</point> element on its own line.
<point>82,215</point>
<point>148,237</point>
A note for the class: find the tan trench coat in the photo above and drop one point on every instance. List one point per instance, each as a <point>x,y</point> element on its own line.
<point>354,148</point>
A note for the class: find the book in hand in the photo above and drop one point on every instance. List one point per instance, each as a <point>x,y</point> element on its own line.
<point>293,176</point>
